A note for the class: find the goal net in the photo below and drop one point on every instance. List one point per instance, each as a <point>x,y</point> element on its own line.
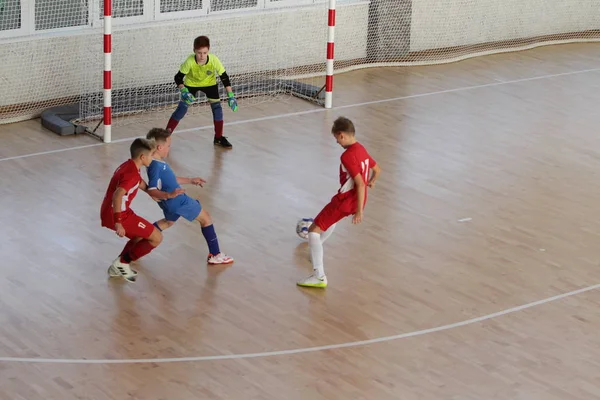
<point>267,53</point>
<point>52,51</point>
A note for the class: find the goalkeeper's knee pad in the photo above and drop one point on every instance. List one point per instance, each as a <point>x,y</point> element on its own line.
<point>217,110</point>
<point>180,111</point>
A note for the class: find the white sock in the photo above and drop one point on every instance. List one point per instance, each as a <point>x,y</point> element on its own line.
<point>325,235</point>
<point>316,253</point>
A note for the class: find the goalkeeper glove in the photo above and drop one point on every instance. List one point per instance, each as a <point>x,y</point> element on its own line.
<point>186,95</point>
<point>232,102</point>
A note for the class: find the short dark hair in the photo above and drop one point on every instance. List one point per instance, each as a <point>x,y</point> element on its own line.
<point>140,146</point>
<point>159,135</point>
<point>201,41</point>
<point>342,124</point>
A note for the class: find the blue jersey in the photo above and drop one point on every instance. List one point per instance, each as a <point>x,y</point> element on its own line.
<point>162,177</point>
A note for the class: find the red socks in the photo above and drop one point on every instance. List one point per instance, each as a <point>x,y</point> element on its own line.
<point>128,247</point>
<point>172,125</point>
<point>139,250</point>
<point>218,129</point>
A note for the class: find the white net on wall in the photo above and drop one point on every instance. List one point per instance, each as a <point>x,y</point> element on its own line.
<point>52,52</point>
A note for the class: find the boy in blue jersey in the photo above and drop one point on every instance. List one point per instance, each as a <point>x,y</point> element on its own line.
<point>162,181</point>
<point>199,73</point>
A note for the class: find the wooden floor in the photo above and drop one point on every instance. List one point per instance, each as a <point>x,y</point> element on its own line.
<point>489,200</point>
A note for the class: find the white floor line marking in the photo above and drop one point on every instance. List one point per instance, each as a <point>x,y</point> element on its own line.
<point>318,110</point>
<point>43,153</point>
<point>306,349</point>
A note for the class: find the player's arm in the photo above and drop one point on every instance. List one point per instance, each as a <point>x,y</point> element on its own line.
<point>185,93</point>
<point>160,195</point>
<point>353,166</point>
<point>144,187</point>
<point>153,191</point>
<point>179,79</point>
<point>226,82</point>
<point>126,183</point>
<point>360,188</point>
<point>157,194</point>
<point>117,202</point>
<point>223,75</point>
<point>231,101</point>
<point>190,181</point>
<point>376,170</point>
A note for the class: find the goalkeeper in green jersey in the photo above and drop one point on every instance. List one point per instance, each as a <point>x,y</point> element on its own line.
<point>199,73</point>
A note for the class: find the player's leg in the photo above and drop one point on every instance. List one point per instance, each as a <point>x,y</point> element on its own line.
<point>178,114</point>
<point>191,209</point>
<point>129,245</point>
<point>109,223</point>
<point>217,111</point>
<point>169,218</point>
<point>324,222</point>
<point>163,224</point>
<point>150,237</point>
<point>212,94</point>
<point>180,111</point>
<point>119,269</point>
<point>215,256</point>
<point>325,235</point>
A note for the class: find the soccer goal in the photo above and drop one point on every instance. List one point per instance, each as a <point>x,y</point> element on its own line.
<point>276,53</point>
<point>89,65</point>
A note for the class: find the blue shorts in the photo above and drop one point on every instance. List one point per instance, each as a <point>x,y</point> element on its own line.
<point>181,206</point>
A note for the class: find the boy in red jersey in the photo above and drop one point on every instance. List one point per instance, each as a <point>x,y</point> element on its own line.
<point>116,214</point>
<point>355,168</point>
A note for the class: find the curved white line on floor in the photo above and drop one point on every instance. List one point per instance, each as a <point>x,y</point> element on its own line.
<point>317,110</point>
<point>306,349</point>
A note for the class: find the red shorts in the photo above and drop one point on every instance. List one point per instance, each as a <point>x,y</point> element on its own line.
<point>335,211</point>
<point>134,225</point>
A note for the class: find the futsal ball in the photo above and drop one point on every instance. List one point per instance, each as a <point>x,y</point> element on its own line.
<point>302,227</point>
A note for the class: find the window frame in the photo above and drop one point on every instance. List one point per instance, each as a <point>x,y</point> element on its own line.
<point>26,23</point>
<point>288,3</point>
<point>151,13</point>
<point>147,14</point>
<point>260,4</point>
<point>160,16</point>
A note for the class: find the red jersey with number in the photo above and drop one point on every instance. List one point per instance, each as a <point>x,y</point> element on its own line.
<point>354,161</point>
<point>126,176</point>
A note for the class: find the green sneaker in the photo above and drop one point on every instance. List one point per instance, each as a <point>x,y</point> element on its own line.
<point>313,281</point>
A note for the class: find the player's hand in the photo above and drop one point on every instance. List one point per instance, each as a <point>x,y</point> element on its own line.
<point>176,193</point>
<point>232,102</point>
<point>371,184</point>
<point>119,229</point>
<point>186,95</point>
<point>357,218</point>
<point>197,181</point>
